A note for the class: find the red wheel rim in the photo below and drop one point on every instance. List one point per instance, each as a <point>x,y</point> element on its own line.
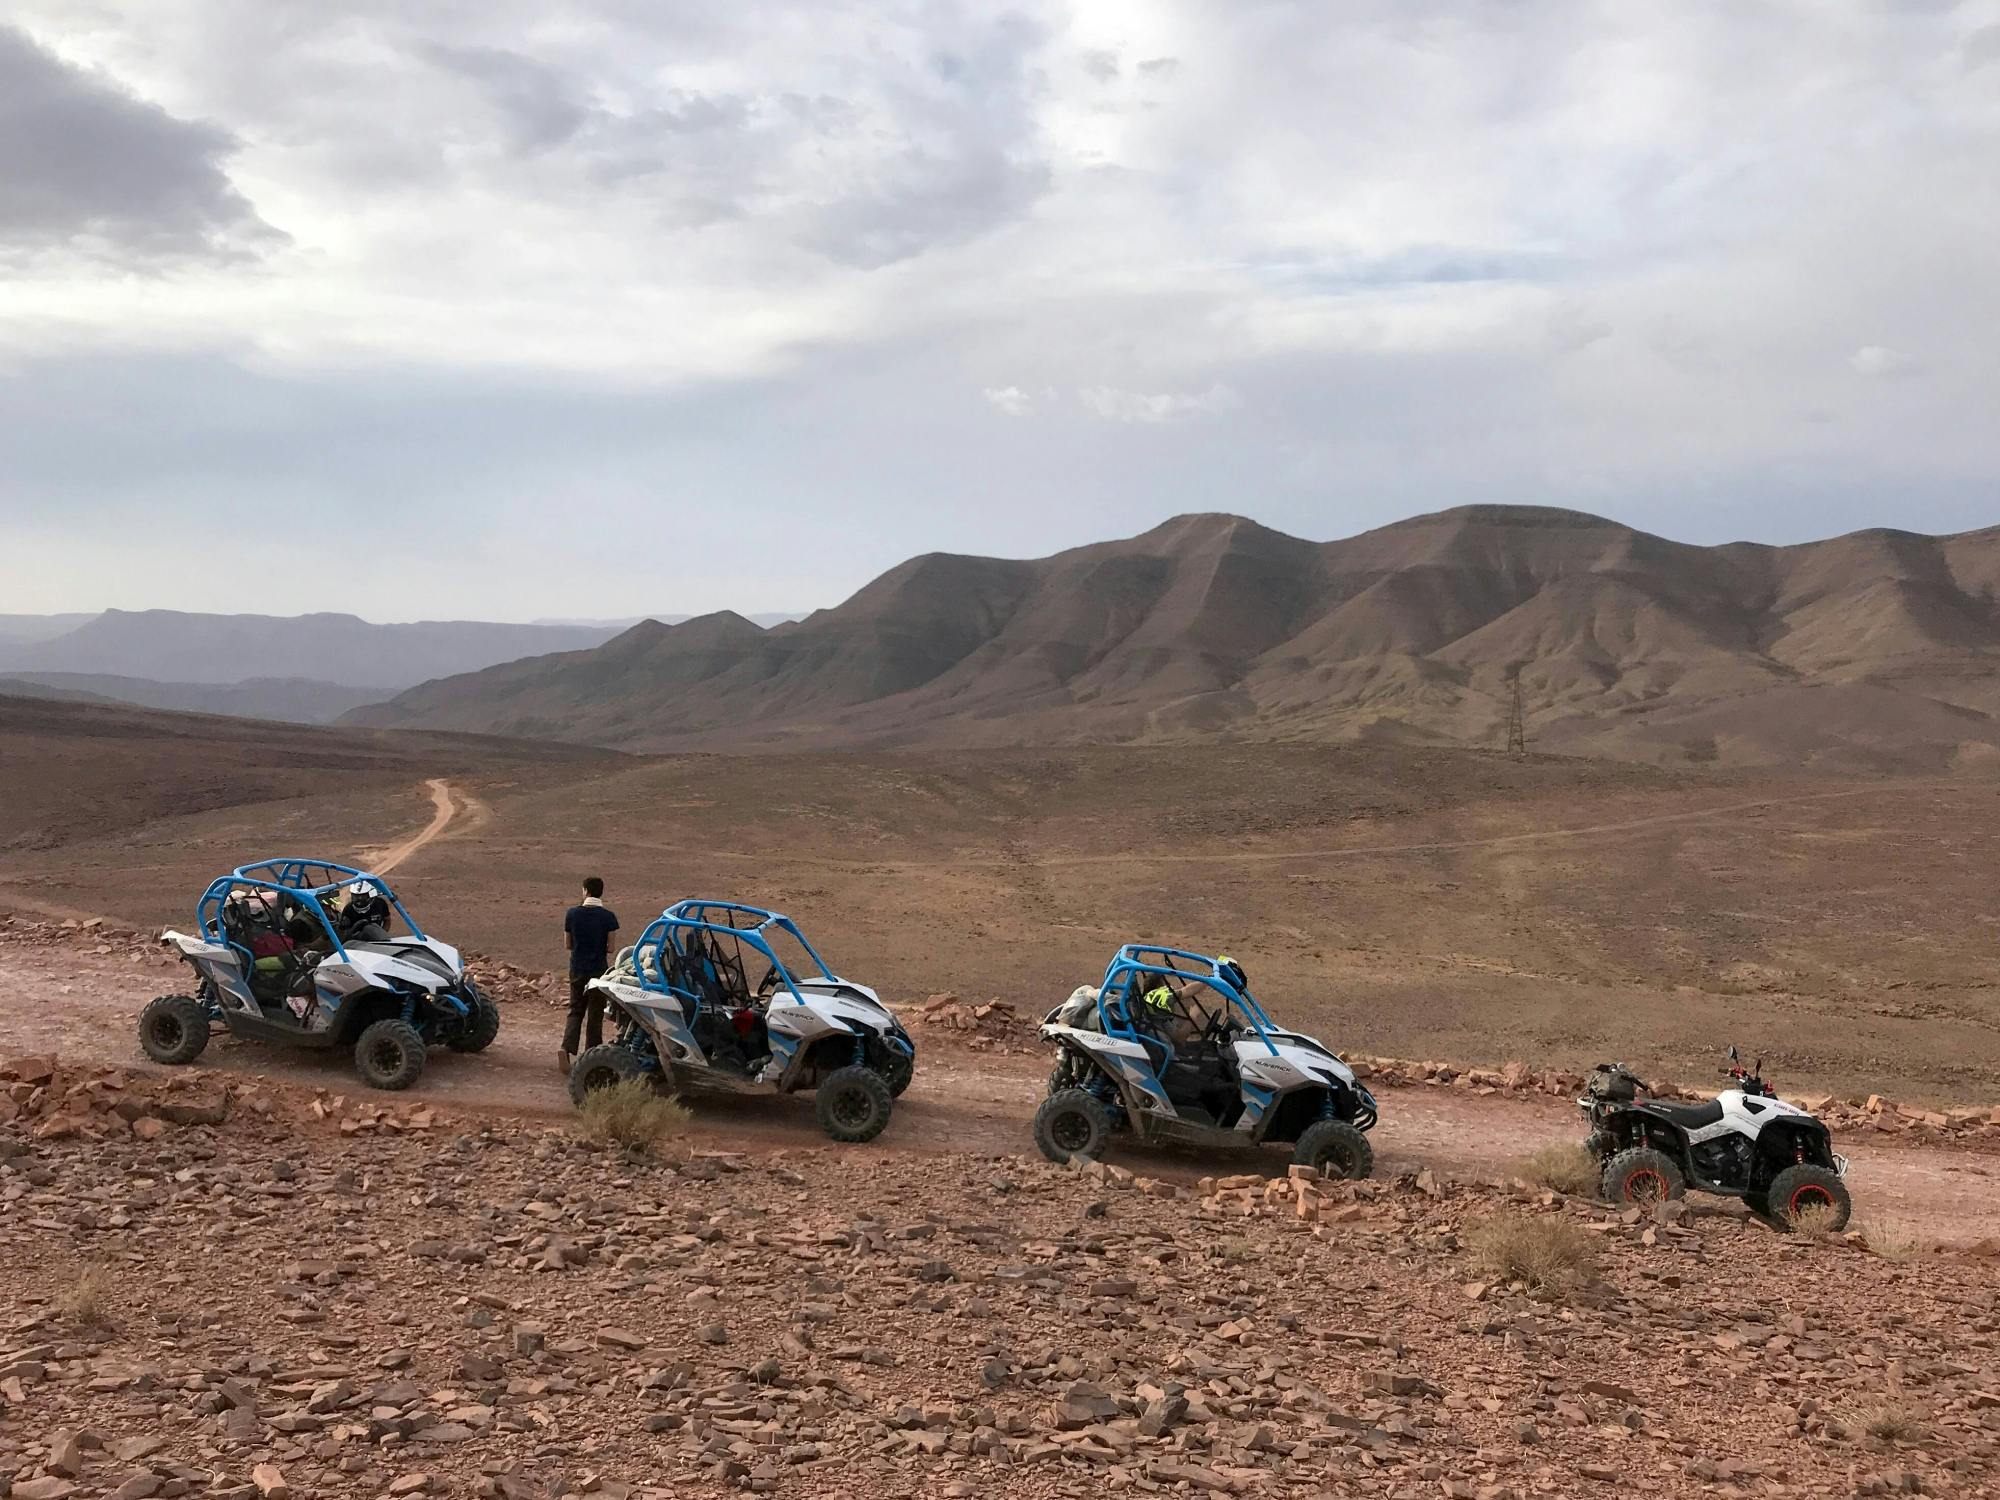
<point>1809,1195</point>
<point>1645,1186</point>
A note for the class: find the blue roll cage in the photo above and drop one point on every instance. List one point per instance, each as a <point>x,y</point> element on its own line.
<point>1134,962</point>
<point>747,924</point>
<point>305,880</point>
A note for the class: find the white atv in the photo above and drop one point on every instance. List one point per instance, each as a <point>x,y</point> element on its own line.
<point>305,953</point>
<point>1746,1143</point>
<point>689,1019</point>
<point>1172,1047</point>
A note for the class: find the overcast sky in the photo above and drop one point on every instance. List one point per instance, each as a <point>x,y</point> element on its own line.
<point>502,309</point>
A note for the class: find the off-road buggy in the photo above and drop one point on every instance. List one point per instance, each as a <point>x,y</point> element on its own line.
<point>1746,1143</point>
<point>1172,1048</point>
<point>690,1018</point>
<point>307,953</point>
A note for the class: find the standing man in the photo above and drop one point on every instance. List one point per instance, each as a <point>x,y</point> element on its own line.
<point>587,932</point>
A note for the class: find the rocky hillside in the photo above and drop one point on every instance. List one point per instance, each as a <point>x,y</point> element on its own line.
<point>1872,650</point>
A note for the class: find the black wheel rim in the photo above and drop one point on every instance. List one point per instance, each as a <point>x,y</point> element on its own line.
<point>167,1031</point>
<point>599,1078</point>
<point>1335,1161</point>
<point>387,1055</point>
<point>852,1108</point>
<point>1070,1129</point>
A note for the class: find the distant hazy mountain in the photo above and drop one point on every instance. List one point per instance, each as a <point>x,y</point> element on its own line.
<point>22,629</point>
<point>630,620</point>
<point>1877,649</point>
<point>296,700</point>
<point>167,646</point>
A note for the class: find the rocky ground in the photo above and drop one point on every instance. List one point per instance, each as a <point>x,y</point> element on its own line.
<point>270,1306</point>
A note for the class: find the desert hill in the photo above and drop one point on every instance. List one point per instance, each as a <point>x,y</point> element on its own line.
<point>1879,649</point>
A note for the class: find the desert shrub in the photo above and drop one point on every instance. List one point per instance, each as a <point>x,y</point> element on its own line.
<point>1815,1221</point>
<point>89,1300</point>
<point>1891,1424</point>
<point>1897,1244</point>
<point>1563,1166</point>
<point>1549,1253</point>
<point>632,1114</point>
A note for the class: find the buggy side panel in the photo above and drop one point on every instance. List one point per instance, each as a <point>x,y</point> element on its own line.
<point>660,1015</point>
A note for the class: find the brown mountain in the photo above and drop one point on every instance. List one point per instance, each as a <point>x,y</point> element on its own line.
<point>1879,649</point>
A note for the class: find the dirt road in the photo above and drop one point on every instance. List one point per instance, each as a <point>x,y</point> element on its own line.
<point>444,809</point>
<point>82,1004</point>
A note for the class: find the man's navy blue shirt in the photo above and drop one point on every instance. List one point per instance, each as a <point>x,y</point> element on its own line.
<point>590,929</point>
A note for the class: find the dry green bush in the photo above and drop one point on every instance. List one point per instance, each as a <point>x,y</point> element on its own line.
<point>633,1114</point>
<point>1897,1244</point>
<point>1563,1166</point>
<point>88,1301</point>
<point>1547,1252</point>
<point>1814,1222</point>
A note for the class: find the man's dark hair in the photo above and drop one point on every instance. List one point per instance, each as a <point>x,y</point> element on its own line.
<point>593,885</point>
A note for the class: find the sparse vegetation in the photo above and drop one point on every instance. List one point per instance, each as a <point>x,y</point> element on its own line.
<point>632,1114</point>
<point>1564,1166</point>
<point>89,1300</point>
<point>1549,1253</point>
<point>1896,1243</point>
<point>1891,1424</point>
<point>1816,1221</point>
<point>1236,1251</point>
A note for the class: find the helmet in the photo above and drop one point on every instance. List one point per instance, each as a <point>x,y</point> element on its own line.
<point>1232,971</point>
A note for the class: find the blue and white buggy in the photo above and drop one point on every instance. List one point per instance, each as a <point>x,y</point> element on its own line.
<point>689,1018</point>
<point>1173,1048</point>
<point>307,953</point>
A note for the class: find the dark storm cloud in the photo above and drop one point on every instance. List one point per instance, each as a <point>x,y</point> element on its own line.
<point>86,164</point>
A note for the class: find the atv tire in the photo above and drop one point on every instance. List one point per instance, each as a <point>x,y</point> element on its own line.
<point>1642,1175</point>
<point>853,1104</point>
<point>389,1055</point>
<point>173,1029</point>
<point>476,1032</point>
<point>1335,1148</point>
<point>1796,1189</point>
<point>1070,1124</point>
<point>602,1067</point>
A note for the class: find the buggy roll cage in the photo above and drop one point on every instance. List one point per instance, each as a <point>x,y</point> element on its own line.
<point>1134,962</point>
<point>689,924</point>
<point>305,881</point>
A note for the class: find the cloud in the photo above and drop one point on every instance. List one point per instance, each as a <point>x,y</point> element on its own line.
<point>87,165</point>
<point>1880,363</point>
<point>1010,399</point>
<point>1982,47</point>
<point>1114,405</point>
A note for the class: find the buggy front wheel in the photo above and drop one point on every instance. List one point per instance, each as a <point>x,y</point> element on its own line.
<point>900,1073</point>
<point>602,1067</point>
<point>389,1055</point>
<point>853,1104</point>
<point>1070,1124</point>
<point>481,1024</point>
<point>173,1029</point>
<point>1335,1148</point>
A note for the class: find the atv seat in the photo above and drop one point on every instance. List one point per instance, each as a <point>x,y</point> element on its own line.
<point>1688,1116</point>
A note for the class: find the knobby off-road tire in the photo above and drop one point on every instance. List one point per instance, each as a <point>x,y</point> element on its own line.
<point>1335,1148</point>
<point>1072,1123</point>
<point>1642,1175</point>
<point>853,1104</point>
<point>389,1055</point>
<point>602,1067</point>
<point>477,1031</point>
<point>1796,1189</point>
<point>173,1029</point>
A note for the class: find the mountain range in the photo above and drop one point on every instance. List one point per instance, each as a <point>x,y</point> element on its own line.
<point>1880,649</point>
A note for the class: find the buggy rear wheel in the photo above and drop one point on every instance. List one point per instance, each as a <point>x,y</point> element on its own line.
<point>1070,1124</point>
<point>1642,1175</point>
<point>853,1104</point>
<point>1335,1148</point>
<point>1804,1190</point>
<point>475,1033</point>
<point>173,1029</point>
<point>389,1055</point>
<point>602,1067</point>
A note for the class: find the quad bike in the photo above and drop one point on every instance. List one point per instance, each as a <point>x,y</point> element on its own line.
<point>689,1019</point>
<point>1746,1143</point>
<point>1171,1048</point>
<point>305,953</point>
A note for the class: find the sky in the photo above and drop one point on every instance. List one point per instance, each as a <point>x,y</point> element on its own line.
<point>508,310</point>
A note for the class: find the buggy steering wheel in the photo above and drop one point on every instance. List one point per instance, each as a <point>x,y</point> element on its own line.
<point>768,985</point>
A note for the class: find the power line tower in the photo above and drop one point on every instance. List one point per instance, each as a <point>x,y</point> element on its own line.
<point>1517,723</point>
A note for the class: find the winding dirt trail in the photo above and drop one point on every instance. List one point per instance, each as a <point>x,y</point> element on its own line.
<point>444,809</point>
